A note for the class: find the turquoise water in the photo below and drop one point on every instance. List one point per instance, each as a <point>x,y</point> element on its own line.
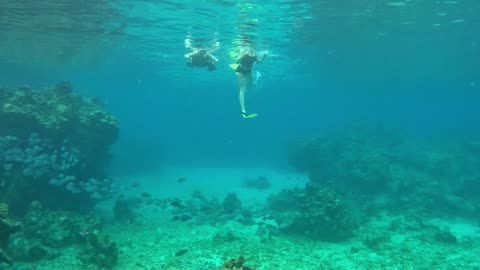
<point>410,65</point>
<point>413,65</point>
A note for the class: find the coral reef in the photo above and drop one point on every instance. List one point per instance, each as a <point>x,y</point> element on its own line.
<point>54,145</point>
<point>100,252</point>
<point>385,170</point>
<point>47,232</point>
<point>259,183</point>
<point>56,229</point>
<point>235,264</point>
<point>7,228</point>
<point>315,212</point>
<point>359,160</point>
<point>122,211</point>
<point>201,210</point>
<point>231,203</point>
<point>55,111</point>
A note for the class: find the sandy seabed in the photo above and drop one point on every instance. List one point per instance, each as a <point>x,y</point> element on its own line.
<point>152,241</point>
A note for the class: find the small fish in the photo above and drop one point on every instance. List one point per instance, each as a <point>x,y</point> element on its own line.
<point>184,218</point>
<point>182,179</point>
<point>177,204</point>
<point>135,185</point>
<point>146,195</point>
<point>181,252</point>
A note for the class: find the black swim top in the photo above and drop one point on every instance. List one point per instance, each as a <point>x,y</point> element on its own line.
<point>247,61</point>
<point>200,60</point>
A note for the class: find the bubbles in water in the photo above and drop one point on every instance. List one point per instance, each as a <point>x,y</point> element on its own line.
<point>258,75</point>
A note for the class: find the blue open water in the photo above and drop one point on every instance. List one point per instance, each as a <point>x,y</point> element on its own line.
<point>411,65</point>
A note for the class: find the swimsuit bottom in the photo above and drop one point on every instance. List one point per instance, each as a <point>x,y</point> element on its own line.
<point>243,70</point>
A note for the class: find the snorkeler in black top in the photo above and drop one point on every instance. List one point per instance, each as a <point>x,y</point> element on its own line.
<point>243,70</point>
<point>245,64</point>
<point>201,58</point>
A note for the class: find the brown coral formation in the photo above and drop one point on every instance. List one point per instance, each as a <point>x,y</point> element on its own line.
<point>235,264</point>
<point>53,110</point>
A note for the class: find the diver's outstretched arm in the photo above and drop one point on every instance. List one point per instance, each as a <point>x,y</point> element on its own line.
<point>189,55</point>
<point>215,59</point>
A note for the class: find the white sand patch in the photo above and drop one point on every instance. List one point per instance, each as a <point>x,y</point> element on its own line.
<point>461,229</point>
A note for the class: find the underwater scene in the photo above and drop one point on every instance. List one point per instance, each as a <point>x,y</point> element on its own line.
<point>239,134</point>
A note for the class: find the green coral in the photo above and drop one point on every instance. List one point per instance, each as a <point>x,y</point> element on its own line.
<point>409,173</point>
<point>353,162</point>
<point>65,119</point>
<point>7,227</point>
<point>100,252</point>
<point>57,229</point>
<point>235,264</point>
<point>316,212</point>
<point>54,110</point>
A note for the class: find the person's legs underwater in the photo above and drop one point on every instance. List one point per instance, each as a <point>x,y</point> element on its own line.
<point>244,81</point>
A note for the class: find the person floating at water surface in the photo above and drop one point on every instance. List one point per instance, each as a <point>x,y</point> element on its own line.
<point>243,70</point>
<point>200,56</point>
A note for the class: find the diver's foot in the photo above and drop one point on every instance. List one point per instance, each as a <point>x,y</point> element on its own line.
<point>246,115</point>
